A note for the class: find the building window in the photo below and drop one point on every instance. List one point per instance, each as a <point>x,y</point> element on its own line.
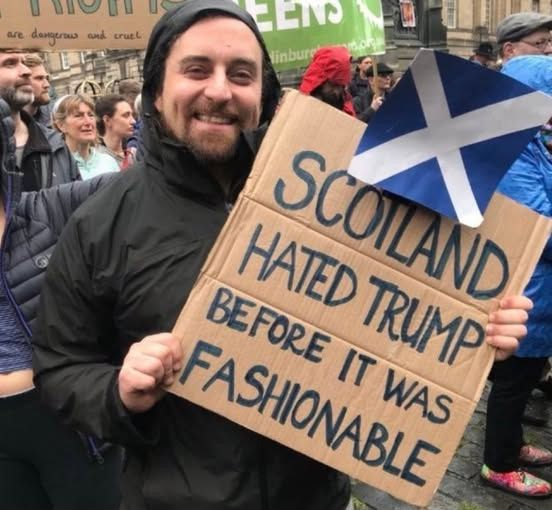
<point>451,13</point>
<point>516,6</point>
<point>64,59</point>
<point>82,57</point>
<point>536,5</point>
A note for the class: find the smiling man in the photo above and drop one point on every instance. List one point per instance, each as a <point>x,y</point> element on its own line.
<point>126,264</point>
<point>128,261</point>
<point>39,150</point>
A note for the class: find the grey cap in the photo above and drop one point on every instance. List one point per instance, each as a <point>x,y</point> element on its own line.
<point>516,26</point>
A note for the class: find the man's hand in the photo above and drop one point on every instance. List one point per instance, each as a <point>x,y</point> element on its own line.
<point>507,325</point>
<point>149,365</point>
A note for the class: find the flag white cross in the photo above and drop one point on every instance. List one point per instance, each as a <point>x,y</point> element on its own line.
<point>444,136</point>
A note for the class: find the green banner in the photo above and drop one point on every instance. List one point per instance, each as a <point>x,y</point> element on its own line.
<point>295,29</point>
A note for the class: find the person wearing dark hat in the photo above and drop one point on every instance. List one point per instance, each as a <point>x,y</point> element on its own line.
<point>524,33</point>
<point>484,54</point>
<point>126,264</point>
<point>327,77</point>
<point>368,103</point>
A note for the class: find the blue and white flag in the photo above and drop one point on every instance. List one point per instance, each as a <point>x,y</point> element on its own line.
<point>448,133</point>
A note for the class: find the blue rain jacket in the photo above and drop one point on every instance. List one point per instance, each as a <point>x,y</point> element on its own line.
<point>529,181</point>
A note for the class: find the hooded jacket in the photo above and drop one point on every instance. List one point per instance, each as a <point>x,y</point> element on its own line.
<point>529,181</point>
<point>333,64</point>
<point>123,269</point>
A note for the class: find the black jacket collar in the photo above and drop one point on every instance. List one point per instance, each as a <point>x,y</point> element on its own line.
<point>37,141</point>
<point>181,170</point>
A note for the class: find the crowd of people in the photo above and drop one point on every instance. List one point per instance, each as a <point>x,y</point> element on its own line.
<point>85,343</point>
<point>92,137</point>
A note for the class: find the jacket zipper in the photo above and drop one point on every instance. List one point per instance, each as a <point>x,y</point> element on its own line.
<point>93,450</point>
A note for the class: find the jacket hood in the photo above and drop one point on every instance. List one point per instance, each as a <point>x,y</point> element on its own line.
<point>171,157</point>
<point>533,70</point>
<point>332,63</point>
<point>177,21</point>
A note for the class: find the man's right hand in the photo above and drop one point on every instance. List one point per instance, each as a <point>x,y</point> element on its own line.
<point>149,365</point>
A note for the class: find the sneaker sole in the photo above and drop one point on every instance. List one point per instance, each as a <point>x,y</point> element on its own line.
<point>511,491</point>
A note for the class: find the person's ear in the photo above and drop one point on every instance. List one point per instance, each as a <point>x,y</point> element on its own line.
<point>508,49</point>
<point>157,103</point>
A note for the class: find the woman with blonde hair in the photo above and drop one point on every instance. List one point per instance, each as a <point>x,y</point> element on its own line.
<point>75,118</point>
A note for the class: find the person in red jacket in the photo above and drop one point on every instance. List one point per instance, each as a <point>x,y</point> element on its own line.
<point>328,76</point>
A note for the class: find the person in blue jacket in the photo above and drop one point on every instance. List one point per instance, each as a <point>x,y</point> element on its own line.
<point>528,181</point>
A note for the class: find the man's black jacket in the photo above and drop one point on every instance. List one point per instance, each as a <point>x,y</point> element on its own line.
<point>123,269</point>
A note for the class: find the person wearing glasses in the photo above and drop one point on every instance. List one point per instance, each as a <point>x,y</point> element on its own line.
<point>524,33</point>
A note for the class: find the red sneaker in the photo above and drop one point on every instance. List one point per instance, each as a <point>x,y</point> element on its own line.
<point>518,482</point>
<point>532,456</point>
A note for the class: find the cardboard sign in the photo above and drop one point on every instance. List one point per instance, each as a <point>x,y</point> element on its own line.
<point>293,31</point>
<point>343,323</point>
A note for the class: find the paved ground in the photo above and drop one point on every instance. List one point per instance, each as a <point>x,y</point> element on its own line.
<point>461,488</point>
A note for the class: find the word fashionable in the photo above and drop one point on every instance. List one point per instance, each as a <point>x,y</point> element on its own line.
<point>304,409</point>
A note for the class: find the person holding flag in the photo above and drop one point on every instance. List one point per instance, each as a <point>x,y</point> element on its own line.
<point>528,181</point>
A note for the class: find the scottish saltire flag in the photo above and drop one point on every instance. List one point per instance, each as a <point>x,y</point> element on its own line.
<point>448,133</point>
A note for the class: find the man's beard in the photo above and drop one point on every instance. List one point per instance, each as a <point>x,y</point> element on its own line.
<point>335,99</point>
<point>41,100</point>
<point>209,150</point>
<point>16,98</point>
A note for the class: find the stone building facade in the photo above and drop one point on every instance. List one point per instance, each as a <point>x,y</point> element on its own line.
<point>470,22</point>
<point>457,26</point>
<point>92,72</point>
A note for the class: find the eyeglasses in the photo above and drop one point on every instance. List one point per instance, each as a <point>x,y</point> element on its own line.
<point>540,45</point>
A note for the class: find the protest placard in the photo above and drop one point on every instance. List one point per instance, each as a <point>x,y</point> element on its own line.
<point>347,324</point>
<point>293,31</point>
